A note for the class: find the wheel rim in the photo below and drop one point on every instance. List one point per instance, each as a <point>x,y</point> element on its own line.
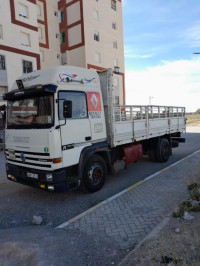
<point>95,174</point>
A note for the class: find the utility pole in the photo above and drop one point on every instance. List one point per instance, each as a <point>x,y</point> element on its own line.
<point>150,97</point>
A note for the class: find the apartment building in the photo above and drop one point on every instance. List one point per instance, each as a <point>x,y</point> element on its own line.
<point>36,34</point>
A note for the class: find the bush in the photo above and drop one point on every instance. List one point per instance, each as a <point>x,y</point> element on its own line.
<point>198,111</point>
<point>188,206</point>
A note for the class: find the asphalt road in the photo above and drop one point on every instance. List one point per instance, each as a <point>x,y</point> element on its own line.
<point>18,203</point>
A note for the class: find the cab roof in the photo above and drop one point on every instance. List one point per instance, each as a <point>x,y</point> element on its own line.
<point>58,75</point>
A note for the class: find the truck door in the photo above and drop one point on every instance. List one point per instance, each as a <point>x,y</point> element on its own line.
<point>76,134</point>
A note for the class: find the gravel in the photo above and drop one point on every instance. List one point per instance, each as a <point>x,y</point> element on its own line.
<point>41,246</point>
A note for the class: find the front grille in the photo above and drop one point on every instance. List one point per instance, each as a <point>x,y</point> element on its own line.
<point>32,159</point>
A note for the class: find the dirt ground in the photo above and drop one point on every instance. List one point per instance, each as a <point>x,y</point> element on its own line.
<point>178,243</point>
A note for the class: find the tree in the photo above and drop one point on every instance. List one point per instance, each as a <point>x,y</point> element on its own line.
<point>198,111</point>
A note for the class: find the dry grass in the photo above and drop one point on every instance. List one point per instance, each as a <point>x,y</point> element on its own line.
<point>193,120</point>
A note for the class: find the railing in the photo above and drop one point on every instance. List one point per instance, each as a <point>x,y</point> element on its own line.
<point>135,112</point>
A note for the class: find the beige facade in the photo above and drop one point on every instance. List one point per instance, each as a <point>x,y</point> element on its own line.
<point>17,43</point>
<point>94,39</point>
<point>37,34</point>
<point>50,38</point>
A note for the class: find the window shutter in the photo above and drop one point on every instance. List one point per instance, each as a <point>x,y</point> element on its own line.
<point>23,11</point>
<point>40,33</point>
<point>95,14</point>
<point>97,57</point>
<point>41,56</point>
<point>38,10</point>
<point>25,39</point>
<point>1,32</point>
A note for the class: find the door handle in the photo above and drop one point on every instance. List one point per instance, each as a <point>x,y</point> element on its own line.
<point>88,138</point>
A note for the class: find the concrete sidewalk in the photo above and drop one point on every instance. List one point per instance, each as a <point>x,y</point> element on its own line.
<point>130,216</point>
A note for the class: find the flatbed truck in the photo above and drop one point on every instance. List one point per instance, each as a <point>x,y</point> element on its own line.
<point>64,130</point>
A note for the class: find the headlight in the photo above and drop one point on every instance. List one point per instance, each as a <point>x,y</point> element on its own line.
<point>49,177</point>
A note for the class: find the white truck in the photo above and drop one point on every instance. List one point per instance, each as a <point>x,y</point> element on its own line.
<point>64,130</point>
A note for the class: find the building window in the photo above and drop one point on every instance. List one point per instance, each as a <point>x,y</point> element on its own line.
<point>117,100</point>
<point>1,32</point>
<point>96,36</point>
<point>41,56</point>
<point>114,25</point>
<point>95,14</point>
<point>25,39</point>
<point>97,57</point>
<point>114,4</point>
<point>23,11</point>
<point>61,16</point>
<point>38,11</point>
<point>115,63</point>
<point>62,37</point>
<point>2,62</point>
<point>115,44</point>
<point>3,90</point>
<point>40,33</point>
<point>63,58</point>
<point>27,66</point>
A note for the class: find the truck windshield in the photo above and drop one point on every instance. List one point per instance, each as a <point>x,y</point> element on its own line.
<point>35,112</point>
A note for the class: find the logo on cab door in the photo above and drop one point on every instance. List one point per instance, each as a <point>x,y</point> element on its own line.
<point>94,104</point>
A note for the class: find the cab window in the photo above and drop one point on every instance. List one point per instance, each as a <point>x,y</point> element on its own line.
<point>79,105</point>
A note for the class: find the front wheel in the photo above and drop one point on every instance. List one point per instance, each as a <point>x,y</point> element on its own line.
<point>94,174</point>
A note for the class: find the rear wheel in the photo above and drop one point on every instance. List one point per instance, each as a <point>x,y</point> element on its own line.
<point>163,151</point>
<point>94,174</point>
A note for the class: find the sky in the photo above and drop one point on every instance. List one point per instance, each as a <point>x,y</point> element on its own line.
<point>160,39</point>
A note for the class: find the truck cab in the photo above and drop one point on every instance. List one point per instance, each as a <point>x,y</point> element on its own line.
<point>54,118</point>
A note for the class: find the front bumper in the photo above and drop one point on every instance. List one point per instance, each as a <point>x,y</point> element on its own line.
<point>62,180</point>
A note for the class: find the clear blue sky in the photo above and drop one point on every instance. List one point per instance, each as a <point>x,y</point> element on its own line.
<point>159,40</point>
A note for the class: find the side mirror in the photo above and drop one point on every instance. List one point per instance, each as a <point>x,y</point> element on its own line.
<point>67,109</point>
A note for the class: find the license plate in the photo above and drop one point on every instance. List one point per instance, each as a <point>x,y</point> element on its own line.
<point>11,154</point>
<point>32,175</point>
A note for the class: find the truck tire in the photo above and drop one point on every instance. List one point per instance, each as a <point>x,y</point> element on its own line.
<point>94,174</point>
<point>162,151</point>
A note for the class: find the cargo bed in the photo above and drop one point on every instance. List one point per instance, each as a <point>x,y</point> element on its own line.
<point>126,123</point>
